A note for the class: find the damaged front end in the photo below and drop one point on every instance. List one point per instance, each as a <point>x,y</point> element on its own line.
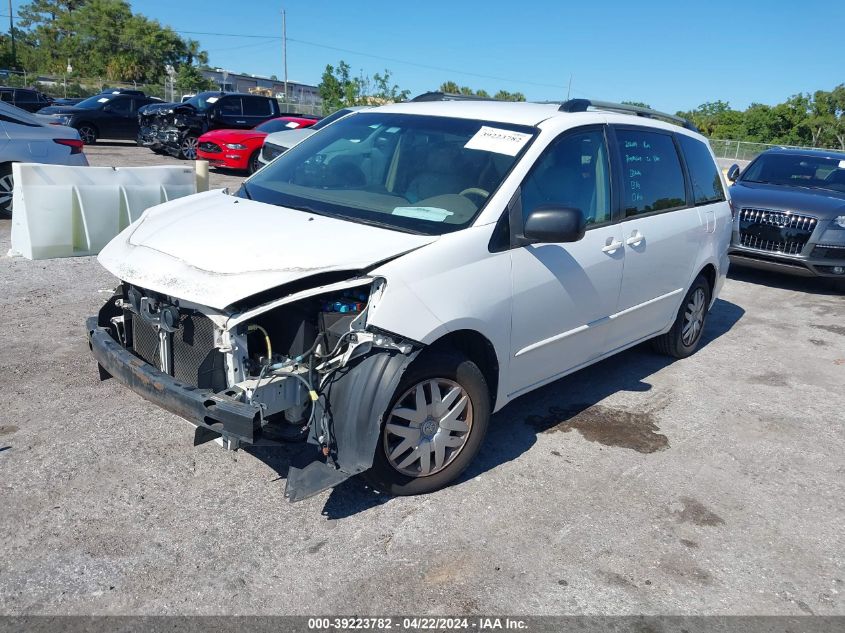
<point>302,367</point>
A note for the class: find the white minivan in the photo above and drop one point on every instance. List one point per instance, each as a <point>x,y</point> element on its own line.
<point>382,288</point>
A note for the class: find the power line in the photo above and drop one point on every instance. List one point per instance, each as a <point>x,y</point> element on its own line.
<point>379,57</point>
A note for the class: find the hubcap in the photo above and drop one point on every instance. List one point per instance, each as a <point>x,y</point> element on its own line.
<point>6,185</point>
<point>693,317</point>
<point>189,148</point>
<point>86,134</point>
<point>428,427</point>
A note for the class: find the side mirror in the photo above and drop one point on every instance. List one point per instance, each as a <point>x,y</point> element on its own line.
<point>733,172</point>
<point>551,224</point>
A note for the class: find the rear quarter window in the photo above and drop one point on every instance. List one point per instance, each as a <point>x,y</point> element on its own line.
<point>256,106</point>
<point>706,181</point>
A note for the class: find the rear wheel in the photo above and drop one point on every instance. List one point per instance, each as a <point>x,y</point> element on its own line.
<point>683,339</point>
<point>434,425</point>
<point>6,187</point>
<point>87,133</point>
<point>188,148</point>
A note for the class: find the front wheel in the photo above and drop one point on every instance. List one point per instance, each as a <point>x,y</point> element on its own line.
<point>684,337</point>
<point>6,187</point>
<point>433,427</point>
<point>188,148</point>
<point>254,163</point>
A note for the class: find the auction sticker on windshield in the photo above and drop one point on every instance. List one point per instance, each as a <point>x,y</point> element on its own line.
<point>491,139</point>
<point>423,213</point>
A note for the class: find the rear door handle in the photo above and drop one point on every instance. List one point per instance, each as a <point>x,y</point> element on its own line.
<point>636,239</point>
<point>611,246</point>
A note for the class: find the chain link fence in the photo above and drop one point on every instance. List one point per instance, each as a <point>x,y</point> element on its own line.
<point>746,150</point>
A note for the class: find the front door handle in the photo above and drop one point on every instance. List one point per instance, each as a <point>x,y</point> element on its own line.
<point>636,239</point>
<point>612,246</point>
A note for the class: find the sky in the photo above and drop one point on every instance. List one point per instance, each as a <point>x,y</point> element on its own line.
<point>672,55</point>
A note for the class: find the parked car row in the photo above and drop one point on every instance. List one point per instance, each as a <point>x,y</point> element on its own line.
<point>176,128</point>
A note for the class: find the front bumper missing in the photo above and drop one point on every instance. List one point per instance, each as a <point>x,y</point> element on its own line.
<point>203,408</point>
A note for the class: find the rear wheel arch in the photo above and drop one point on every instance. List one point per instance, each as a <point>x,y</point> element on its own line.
<point>709,273</point>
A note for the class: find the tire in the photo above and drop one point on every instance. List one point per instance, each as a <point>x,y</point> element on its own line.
<point>6,186</point>
<point>680,341</point>
<point>87,133</point>
<point>254,165</point>
<point>188,147</point>
<point>447,371</point>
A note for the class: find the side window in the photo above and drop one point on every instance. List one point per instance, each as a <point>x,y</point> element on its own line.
<point>572,172</point>
<point>256,106</point>
<point>25,96</point>
<point>122,107</point>
<point>6,95</point>
<point>230,106</point>
<point>706,181</point>
<point>652,178</point>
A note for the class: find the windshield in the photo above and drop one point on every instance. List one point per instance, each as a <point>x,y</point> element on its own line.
<point>334,116</point>
<point>815,172</point>
<point>92,103</point>
<point>204,101</point>
<point>421,174</point>
<point>277,125</point>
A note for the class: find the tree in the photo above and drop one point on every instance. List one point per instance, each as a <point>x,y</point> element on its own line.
<point>639,104</point>
<point>102,38</point>
<point>450,87</point>
<point>386,92</point>
<point>339,89</point>
<point>190,80</point>
<point>504,95</point>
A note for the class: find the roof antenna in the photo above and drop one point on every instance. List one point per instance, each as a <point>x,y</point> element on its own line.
<point>569,89</point>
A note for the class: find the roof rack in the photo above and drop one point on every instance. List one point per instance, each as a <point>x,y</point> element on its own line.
<point>581,105</point>
<point>449,96</point>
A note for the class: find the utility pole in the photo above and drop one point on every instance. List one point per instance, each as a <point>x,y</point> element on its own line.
<point>12,35</point>
<point>284,52</point>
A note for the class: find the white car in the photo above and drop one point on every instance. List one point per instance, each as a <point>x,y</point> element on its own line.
<point>387,284</point>
<point>28,138</point>
<point>277,143</point>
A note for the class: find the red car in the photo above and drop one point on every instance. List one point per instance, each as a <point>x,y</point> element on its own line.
<point>239,149</point>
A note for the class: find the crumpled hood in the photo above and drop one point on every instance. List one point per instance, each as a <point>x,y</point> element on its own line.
<point>823,204</point>
<point>214,249</point>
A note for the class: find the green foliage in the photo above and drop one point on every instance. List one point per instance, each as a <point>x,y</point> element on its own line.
<point>504,95</point>
<point>100,38</point>
<point>190,80</point>
<point>816,120</point>
<point>451,87</point>
<point>339,89</point>
<point>639,104</point>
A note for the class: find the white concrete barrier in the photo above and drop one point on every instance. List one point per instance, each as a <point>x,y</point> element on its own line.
<point>61,211</point>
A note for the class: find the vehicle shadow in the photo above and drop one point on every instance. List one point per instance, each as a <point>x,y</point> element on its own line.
<point>514,429</point>
<point>572,402</point>
<point>780,281</point>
